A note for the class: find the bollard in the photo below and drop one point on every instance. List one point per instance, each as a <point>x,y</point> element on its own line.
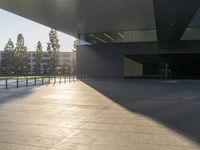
<point>35,81</point>
<point>17,82</point>
<point>55,79</point>
<point>26,81</point>
<point>6,83</point>
<point>42,80</point>
<point>49,80</point>
<point>77,77</point>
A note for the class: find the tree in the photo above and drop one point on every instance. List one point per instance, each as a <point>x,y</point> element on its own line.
<point>38,58</point>
<point>53,49</point>
<point>49,52</point>
<point>75,45</point>
<point>21,55</point>
<point>8,58</point>
<point>65,69</point>
<point>73,61</point>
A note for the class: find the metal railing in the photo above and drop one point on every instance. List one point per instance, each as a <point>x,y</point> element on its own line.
<point>16,82</point>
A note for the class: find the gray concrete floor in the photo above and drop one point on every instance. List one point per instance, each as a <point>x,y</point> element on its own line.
<point>102,115</point>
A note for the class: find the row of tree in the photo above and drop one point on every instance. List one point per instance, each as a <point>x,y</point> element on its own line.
<point>15,57</point>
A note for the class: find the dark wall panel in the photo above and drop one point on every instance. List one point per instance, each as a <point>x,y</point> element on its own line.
<point>106,60</point>
<point>99,62</point>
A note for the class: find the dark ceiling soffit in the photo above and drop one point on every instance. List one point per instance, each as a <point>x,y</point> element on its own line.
<point>172,18</point>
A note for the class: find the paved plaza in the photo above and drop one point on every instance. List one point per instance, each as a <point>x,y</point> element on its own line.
<point>102,115</point>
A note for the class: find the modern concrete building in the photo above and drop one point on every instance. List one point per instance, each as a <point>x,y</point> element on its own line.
<point>64,58</point>
<point>128,37</point>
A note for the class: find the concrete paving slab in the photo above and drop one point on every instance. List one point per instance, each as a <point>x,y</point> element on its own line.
<point>102,114</point>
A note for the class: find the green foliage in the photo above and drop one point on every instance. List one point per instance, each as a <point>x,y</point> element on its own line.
<point>74,61</point>
<point>7,63</point>
<point>15,60</point>
<point>65,69</point>
<point>38,58</point>
<point>53,49</point>
<point>21,55</point>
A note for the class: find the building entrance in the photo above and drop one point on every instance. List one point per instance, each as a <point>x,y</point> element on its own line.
<point>174,66</point>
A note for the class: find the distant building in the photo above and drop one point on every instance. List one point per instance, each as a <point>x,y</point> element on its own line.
<point>65,58</point>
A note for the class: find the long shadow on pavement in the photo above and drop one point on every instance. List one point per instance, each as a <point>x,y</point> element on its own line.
<point>13,94</point>
<point>175,104</point>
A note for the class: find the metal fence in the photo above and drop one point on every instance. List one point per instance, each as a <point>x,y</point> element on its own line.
<point>16,82</point>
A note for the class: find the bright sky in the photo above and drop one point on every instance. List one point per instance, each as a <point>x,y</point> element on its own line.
<point>11,25</point>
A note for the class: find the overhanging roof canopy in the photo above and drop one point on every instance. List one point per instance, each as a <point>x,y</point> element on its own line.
<point>96,16</point>
<point>86,16</point>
